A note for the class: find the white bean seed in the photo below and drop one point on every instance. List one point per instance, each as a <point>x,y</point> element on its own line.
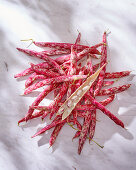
<point>79,92</point>
<point>69,103</point>
<point>74,97</point>
<point>86,88</point>
<point>91,82</point>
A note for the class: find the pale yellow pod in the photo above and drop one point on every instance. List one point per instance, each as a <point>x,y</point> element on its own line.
<point>77,95</point>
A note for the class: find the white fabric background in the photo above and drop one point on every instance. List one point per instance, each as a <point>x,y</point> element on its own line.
<point>58,20</point>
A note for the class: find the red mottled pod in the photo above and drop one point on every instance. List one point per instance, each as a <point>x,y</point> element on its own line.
<point>53,81</point>
<point>78,38</point>
<point>54,105</point>
<point>35,115</point>
<point>108,83</point>
<point>44,71</point>
<point>80,55</point>
<point>92,125</point>
<point>77,134</point>
<point>53,52</point>
<point>44,57</point>
<point>114,90</point>
<point>36,77</point>
<point>62,46</point>
<point>29,80</point>
<point>117,74</point>
<point>53,124</point>
<point>56,91</point>
<point>55,133</point>
<point>105,111</point>
<point>24,73</point>
<point>103,61</point>
<point>84,132</point>
<point>40,97</point>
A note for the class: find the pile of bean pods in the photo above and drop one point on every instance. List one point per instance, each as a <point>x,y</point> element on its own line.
<point>75,86</point>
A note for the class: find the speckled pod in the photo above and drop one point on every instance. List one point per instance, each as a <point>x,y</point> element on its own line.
<point>40,97</point>
<point>56,91</point>
<point>108,83</point>
<point>44,71</point>
<point>54,105</point>
<point>79,126</point>
<point>55,52</point>
<point>105,111</point>
<point>24,73</point>
<point>117,74</point>
<point>72,70</point>
<point>66,66</point>
<point>36,77</point>
<point>36,115</point>
<point>73,62</point>
<point>103,61</point>
<point>44,57</point>
<point>85,128</point>
<point>29,70</point>
<point>80,55</point>
<point>74,113</point>
<point>92,125</point>
<point>55,133</point>
<point>93,114</point>
<point>107,100</point>
<point>42,65</point>
<point>53,124</point>
<point>84,132</point>
<point>89,69</point>
<point>114,90</point>
<point>29,80</point>
<point>87,119</point>
<point>53,81</point>
<point>77,134</point>
<point>78,38</point>
<point>60,46</point>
